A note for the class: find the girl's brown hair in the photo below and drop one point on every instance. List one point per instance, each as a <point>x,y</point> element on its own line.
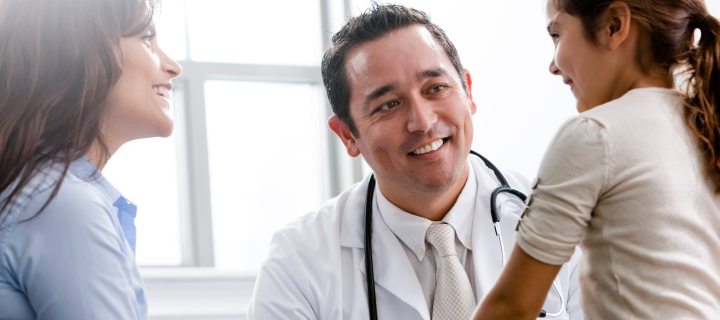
<point>668,28</point>
<point>58,61</point>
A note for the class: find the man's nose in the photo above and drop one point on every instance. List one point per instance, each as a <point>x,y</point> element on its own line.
<point>422,115</point>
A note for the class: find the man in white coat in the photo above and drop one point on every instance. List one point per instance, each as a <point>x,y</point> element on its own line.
<point>401,99</point>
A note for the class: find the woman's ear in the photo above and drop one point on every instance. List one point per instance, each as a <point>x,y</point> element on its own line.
<point>617,23</point>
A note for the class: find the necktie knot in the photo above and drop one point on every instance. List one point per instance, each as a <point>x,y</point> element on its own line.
<point>442,237</point>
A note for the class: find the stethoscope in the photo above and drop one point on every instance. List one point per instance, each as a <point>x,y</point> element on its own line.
<point>504,188</point>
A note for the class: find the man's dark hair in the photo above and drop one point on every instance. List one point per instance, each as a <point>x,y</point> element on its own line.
<point>371,25</point>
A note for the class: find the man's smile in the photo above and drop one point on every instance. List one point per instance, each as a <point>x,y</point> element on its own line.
<point>430,147</point>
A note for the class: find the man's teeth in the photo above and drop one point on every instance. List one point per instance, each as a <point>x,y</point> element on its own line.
<point>162,91</point>
<point>430,148</point>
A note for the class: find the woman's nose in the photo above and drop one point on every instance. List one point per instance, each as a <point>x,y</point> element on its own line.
<point>553,68</point>
<point>170,66</point>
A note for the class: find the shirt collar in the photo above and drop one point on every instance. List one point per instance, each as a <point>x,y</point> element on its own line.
<point>411,229</point>
<point>84,169</point>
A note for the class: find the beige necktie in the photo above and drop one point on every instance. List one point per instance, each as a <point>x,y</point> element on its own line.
<point>454,298</point>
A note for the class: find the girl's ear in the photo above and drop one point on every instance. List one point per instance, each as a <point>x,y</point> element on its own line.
<point>618,20</point>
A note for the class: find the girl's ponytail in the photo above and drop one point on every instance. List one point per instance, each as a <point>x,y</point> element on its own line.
<point>702,102</point>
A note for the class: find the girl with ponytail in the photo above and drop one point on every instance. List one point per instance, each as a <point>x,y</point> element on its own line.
<point>634,179</point>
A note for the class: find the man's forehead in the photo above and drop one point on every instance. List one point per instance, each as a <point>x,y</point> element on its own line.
<point>395,56</point>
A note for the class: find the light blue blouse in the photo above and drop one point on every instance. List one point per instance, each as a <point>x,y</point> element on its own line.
<point>75,260</point>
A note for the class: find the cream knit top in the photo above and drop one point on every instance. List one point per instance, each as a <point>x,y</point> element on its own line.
<point>626,181</point>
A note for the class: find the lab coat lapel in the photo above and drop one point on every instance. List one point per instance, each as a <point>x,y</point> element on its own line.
<point>393,271</point>
<point>392,268</point>
<point>486,248</point>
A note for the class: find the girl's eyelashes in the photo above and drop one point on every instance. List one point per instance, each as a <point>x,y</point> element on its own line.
<point>554,37</point>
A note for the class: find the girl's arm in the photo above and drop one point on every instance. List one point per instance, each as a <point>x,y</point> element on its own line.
<point>521,290</point>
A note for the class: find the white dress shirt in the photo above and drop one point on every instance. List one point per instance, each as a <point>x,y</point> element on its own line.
<point>410,230</point>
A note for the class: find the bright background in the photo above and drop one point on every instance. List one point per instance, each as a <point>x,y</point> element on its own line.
<point>265,145</point>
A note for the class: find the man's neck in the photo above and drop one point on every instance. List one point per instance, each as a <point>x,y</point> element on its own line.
<point>431,206</point>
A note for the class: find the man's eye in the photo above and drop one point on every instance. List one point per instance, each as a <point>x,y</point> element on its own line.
<point>389,105</point>
<point>437,88</point>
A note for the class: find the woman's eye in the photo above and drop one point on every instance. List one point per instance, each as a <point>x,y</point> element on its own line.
<point>389,105</point>
<point>437,88</point>
<point>148,37</point>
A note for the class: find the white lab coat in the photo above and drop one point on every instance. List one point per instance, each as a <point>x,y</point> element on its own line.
<point>316,265</point>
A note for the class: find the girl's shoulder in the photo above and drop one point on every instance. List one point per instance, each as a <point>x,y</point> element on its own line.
<point>637,105</point>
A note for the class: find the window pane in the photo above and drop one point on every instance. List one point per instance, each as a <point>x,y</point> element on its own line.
<point>145,172</point>
<point>171,29</point>
<point>284,32</point>
<point>265,159</point>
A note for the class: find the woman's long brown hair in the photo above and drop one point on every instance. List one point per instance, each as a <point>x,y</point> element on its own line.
<point>58,61</point>
<point>669,44</point>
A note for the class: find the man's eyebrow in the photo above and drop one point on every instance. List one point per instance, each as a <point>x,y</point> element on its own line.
<point>379,92</point>
<point>432,73</point>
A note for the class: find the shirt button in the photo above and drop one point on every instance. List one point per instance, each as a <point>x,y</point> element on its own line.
<point>468,242</point>
<point>419,251</point>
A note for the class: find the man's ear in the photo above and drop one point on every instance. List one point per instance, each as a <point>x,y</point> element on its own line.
<point>468,78</point>
<point>343,132</point>
<point>618,20</point>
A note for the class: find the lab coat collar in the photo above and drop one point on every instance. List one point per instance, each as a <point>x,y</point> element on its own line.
<point>398,276</point>
<point>487,260</point>
<point>400,280</point>
<point>352,228</point>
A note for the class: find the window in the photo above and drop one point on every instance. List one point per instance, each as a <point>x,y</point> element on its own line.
<point>284,32</point>
<point>250,123</point>
<point>146,173</point>
<point>263,141</point>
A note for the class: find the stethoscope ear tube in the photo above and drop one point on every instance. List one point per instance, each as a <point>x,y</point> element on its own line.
<point>370,276</point>
<point>493,200</point>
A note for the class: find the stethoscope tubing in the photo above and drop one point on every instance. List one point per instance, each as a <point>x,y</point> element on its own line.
<point>504,188</point>
<point>370,274</point>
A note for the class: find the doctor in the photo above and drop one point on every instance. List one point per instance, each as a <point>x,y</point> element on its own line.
<point>403,100</point>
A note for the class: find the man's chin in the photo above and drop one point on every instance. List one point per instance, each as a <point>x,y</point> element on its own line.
<point>439,182</point>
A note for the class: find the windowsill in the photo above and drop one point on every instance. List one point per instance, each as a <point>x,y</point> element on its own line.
<point>183,293</point>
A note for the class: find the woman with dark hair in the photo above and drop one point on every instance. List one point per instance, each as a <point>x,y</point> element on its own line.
<point>634,178</point>
<point>78,79</point>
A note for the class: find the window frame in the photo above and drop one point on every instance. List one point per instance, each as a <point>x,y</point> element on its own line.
<point>196,281</point>
<point>339,170</point>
